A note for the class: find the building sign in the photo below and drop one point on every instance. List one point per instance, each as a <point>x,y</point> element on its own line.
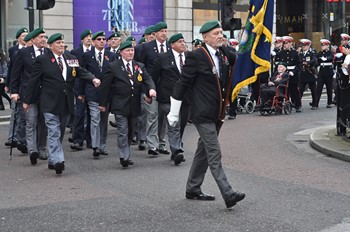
<point>291,19</point>
<point>121,15</point>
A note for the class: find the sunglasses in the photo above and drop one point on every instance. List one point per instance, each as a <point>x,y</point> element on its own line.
<point>99,39</point>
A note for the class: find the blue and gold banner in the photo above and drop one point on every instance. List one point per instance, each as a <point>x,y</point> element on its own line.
<point>254,48</point>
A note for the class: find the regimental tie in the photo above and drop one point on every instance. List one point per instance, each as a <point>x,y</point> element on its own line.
<point>128,70</point>
<point>60,64</point>
<point>162,48</point>
<point>218,54</point>
<point>87,50</point>
<point>181,62</point>
<point>41,51</point>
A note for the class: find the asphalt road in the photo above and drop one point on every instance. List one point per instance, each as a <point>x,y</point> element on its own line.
<point>289,186</point>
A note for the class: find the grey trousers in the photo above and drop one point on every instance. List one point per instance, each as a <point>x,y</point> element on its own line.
<point>173,132</point>
<point>12,134</point>
<point>125,131</point>
<point>152,124</point>
<point>103,129</point>
<point>95,124</point>
<point>36,131</point>
<point>208,153</point>
<point>141,122</point>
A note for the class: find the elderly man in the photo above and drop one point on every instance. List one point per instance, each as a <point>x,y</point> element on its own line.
<point>55,73</point>
<point>206,72</point>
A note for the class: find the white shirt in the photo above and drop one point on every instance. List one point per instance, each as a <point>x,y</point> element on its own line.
<point>64,71</point>
<point>159,47</point>
<point>37,50</point>
<point>177,59</point>
<point>131,69</point>
<point>85,48</point>
<point>212,52</point>
<point>102,55</point>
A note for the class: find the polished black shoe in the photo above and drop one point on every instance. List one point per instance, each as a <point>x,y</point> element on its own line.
<point>70,139</point>
<point>96,153</point>
<point>113,124</point>
<point>34,157</point>
<point>200,196</point>
<point>130,162</point>
<point>124,163</point>
<point>178,158</point>
<point>230,117</point>
<point>59,167</point>
<point>103,152</point>
<point>22,148</point>
<point>164,151</point>
<point>51,166</point>
<point>11,144</point>
<point>233,199</point>
<point>153,152</point>
<point>142,145</point>
<point>76,147</point>
<point>172,158</point>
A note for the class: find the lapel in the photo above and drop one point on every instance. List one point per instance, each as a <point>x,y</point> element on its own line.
<point>32,53</point>
<point>106,57</point>
<point>94,62</point>
<point>172,61</point>
<point>69,69</point>
<point>125,74</point>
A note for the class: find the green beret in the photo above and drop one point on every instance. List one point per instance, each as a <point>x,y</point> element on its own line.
<point>282,63</point>
<point>20,31</point>
<point>85,33</point>
<point>97,34</point>
<point>126,44</point>
<point>175,37</point>
<point>37,32</point>
<point>225,36</point>
<point>115,34</point>
<point>142,40</point>
<point>149,30</point>
<point>28,37</point>
<point>130,38</point>
<point>159,26</point>
<point>54,37</point>
<point>197,42</point>
<point>208,26</point>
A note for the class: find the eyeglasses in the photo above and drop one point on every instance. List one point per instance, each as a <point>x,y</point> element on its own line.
<point>99,39</point>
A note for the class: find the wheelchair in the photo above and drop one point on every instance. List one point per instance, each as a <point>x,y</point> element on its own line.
<point>279,103</point>
<point>244,101</point>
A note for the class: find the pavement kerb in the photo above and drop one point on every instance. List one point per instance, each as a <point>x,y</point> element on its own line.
<point>326,141</point>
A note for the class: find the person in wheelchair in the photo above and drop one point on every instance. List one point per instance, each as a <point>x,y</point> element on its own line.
<point>268,90</point>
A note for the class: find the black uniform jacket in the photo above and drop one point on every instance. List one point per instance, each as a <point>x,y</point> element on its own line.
<point>116,86</point>
<point>90,63</point>
<point>208,91</point>
<point>291,58</point>
<point>165,74</point>
<point>149,53</point>
<point>56,93</point>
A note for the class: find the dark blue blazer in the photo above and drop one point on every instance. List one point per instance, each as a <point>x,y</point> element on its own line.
<point>13,51</point>
<point>89,63</point>
<point>150,53</point>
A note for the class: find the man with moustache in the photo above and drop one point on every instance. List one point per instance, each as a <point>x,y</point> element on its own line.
<point>96,61</point>
<point>122,85</point>
<point>34,138</point>
<point>55,73</point>
<point>206,72</point>
<point>114,41</point>
<point>13,51</point>
<point>166,71</point>
<point>150,51</point>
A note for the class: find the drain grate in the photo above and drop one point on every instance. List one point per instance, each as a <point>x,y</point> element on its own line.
<point>301,141</point>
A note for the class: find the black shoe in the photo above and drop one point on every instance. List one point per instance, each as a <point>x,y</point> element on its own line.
<point>230,117</point>
<point>11,144</point>
<point>42,156</point>
<point>178,158</point>
<point>130,162</point>
<point>233,199</point>
<point>22,147</point>
<point>70,139</point>
<point>310,103</point>
<point>113,124</point>
<point>328,106</point>
<point>313,108</point>
<point>51,166</point>
<point>96,153</point>
<point>124,163</point>
<point>153,151</point>
<point>89,146</point>
<point>142,145</point>
<point>103,152</point>
<point>134,140</point>
<point>76,147</point>
<point>299,109</point>
<point>164,151</point>
<point>34,158</point>
<point>200,196</point>
<point>2,107</point>
<point>172,158</point>
<point>59,167</point>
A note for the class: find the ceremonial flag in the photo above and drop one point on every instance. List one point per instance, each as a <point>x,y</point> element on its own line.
<point>254,48</point>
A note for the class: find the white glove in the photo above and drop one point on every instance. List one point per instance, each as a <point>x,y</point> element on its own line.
<point>173,116</point>
<point>323,58</point>
<point>338,55</point>
<point>291,73</point>
<point>273,53</point>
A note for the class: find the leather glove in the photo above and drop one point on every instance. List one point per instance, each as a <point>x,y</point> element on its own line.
<point>173,116</point>
<point>291,73</point>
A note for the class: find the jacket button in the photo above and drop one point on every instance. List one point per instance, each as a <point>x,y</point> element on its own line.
<point>132,95</point>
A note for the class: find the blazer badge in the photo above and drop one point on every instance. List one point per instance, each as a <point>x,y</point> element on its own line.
<point>74,72</point>
<point>139,77</point>
<point>73,63</point>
